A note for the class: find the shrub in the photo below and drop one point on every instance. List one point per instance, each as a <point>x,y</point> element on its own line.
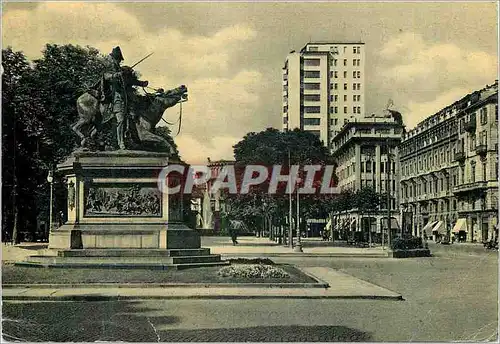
<point>252,271</point>
<point>407,243</point>
<point>265,261</point>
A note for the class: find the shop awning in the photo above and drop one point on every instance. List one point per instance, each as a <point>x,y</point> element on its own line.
<point>460,225</point>
<point>439,227</point>
<point>427,228</point>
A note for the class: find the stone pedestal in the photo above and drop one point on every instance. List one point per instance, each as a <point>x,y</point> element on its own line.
<point>114,202</point>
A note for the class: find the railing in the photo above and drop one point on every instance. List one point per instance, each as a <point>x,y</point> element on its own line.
<point>470,125</point>
<point>481,149</point>
<point>470,187</point>
<point>459,156</point>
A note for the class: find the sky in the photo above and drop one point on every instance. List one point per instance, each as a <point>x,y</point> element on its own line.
<point>422,55</point>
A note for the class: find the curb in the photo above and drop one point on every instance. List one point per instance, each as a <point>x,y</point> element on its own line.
<point>96,298</point>
<point>304,255</point>
<point>321,284</point>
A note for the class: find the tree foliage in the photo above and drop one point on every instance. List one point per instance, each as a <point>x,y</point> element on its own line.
<point>272,147</point>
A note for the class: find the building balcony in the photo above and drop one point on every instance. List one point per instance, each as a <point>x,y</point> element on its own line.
<point>443,194</point>
<point>481,149</point>
<point>420,198</point>
<point>470,125</point>
<point>459,156</point>
<point>470,187</point>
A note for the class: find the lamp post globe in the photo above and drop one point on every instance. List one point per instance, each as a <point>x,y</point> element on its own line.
<point>50,177</point>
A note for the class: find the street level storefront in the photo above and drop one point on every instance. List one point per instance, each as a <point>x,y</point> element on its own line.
<point>371,226</point>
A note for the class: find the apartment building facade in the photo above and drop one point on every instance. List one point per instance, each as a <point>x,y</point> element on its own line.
<point>449,170</point>
<point>367,155</point>
<point>324,87</point>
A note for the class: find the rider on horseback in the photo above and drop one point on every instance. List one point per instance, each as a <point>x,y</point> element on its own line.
<point>114,93</point>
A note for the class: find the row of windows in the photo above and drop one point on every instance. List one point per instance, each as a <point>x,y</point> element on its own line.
<point>355,62</point>
<point>444,155</point>
<point>312,109</point>
<point>355,109</point>
<point>446,183</point>
<point>335,74</point>
<point>311,86</point>
<point>311,121</point>
<point>335,49</point>
<point>333,121</point>
<point>333,98</point>
<point>312,62</point>
<point>312,97</point>
<point>355,86</point>
<point>371,166</point>
<point>382,186</point>
<point>311,74</point>
<point>443,132</point>
<point>355,97</point>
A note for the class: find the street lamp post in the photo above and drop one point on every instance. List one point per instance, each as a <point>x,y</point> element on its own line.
<point>298,246</point>
<point>50,179</point>
<point>370,157</point>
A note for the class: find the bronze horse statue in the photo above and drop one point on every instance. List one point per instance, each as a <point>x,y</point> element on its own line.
<point>145,111</point>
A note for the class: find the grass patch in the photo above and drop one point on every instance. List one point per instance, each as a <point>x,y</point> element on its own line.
<point>12,274</point>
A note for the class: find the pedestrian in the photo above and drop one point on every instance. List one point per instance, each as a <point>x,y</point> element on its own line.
<point>233,232</point>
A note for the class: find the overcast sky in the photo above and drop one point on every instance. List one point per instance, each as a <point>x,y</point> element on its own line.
<point>423,56</point>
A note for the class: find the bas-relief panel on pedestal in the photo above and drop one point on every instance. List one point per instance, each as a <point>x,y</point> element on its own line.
<point>125,200</point>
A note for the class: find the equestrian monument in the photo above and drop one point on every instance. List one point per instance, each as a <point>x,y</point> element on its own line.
<point>117,216</point>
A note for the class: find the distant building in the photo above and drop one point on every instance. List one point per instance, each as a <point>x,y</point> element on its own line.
<point>208,205</point>
<point>449,164</point>
<point>324,87</point>
<point>364,149</point>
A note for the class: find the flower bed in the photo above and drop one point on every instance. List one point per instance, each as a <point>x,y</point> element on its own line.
<point>260,271</point>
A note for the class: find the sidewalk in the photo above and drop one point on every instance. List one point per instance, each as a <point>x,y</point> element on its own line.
<point>342,286</point>
<point>247,247</point>
<point>263,247</point>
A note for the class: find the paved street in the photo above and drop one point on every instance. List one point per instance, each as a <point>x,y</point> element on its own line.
<point>452,296</point>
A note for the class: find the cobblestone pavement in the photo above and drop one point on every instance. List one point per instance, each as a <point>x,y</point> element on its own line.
<point>452,296</point>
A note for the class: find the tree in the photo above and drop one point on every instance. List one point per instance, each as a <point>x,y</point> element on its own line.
<point>21,108</point>
<point>62,74</point>
<point>272,147</point>
<point>367,200</point>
